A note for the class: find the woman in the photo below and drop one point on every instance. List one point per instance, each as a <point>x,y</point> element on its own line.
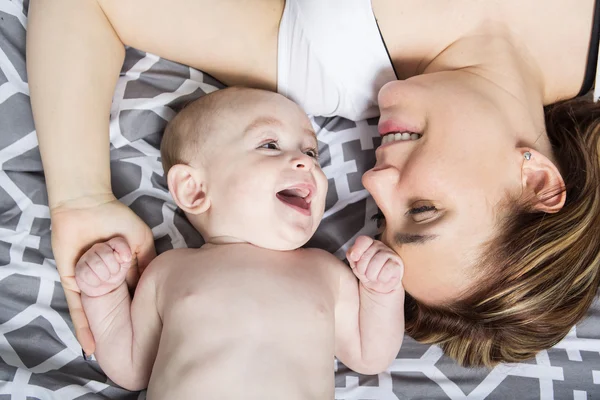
<point>493,205</point>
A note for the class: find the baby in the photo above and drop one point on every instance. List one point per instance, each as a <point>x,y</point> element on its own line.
<point>249,315</point>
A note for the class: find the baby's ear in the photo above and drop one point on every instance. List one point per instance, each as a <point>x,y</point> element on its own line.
<point>188,188</point>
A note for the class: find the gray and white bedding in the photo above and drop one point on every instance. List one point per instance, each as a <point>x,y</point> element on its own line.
<point>39,356</point>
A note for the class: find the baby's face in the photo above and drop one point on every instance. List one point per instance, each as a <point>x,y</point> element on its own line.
<point>263,179</point>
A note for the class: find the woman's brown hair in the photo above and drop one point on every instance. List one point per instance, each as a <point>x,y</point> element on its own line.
<point>542,271</point>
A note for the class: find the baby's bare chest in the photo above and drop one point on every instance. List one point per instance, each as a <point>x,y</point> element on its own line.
<point>238,288</point>
<point>252,314</point>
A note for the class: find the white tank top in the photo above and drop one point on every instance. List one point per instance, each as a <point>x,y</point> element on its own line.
<point>331,58</point>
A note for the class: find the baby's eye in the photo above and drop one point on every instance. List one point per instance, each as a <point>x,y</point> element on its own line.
<point>273,145</point>
<point>311,153</point>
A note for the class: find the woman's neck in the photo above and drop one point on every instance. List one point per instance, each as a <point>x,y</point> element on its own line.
<point>490,54</point>
<point>549,42</point>
<point>503,73</point>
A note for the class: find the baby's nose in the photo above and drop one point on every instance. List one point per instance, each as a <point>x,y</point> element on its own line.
<point>303,162</point>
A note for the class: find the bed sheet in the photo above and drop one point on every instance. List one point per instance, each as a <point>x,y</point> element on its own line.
<point>39,356</point>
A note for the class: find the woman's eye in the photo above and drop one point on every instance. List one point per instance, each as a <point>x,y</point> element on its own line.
<point>379,218</point>
<point>311,153</point>
<point>423,213</point>
<point>270,145</point>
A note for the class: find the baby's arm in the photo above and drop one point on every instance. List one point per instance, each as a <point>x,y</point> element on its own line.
<point>369,313</point>
<point>126,333</point>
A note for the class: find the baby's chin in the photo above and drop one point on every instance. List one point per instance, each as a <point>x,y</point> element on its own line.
<point>281,244</point>
<point>282,240</point>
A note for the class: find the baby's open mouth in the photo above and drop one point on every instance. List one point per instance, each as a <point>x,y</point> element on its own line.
<point>298,197</point>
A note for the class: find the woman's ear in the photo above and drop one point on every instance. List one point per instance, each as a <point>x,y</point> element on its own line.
<point>542,182</point>
<point>188,188</point>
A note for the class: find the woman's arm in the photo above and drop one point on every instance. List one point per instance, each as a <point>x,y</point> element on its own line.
<point>233,40</point>
<point>73,62</point>
<point>75,50</point>
<point>74,54</point>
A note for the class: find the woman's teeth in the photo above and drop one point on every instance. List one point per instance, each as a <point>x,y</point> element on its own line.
<point>395,137</point>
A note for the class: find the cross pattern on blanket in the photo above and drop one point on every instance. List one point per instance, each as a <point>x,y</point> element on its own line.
<point>39,356</point>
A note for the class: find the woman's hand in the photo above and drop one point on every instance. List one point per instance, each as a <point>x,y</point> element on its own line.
<point>76,226</point>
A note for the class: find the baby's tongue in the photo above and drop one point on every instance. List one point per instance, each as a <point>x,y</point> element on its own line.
<point>291,196</point>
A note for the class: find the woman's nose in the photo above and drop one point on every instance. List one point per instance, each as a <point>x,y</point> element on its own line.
<point>380,181</point>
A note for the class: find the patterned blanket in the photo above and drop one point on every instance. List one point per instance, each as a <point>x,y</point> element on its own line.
<point>39,356</point>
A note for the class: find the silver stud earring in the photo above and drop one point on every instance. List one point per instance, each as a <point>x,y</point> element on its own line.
<point>527,155</point>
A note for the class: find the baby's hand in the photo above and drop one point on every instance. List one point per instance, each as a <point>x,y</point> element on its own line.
<point>103,267</point>
<point>377,267</point>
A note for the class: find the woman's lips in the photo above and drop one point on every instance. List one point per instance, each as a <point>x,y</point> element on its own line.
<point>388,126</point>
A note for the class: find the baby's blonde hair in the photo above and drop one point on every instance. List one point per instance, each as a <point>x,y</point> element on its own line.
<point>187,131</point>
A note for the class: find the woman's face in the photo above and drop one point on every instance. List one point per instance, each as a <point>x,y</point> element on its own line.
<point>440,193</point>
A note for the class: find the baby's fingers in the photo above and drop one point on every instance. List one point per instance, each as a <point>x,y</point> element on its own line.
<point>360,268</point>
<point>391,272</point>
<point>121,249</point>
<point>109,258</point>
<point>96,264</point>
<point>361,245</point>
<point>375,266</point>
<point>388,280</point>
<point>85,275</point>
<point>386,273</point>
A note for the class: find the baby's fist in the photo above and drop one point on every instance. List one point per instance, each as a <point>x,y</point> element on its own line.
<point>377,267</point>
<point>103,267</point>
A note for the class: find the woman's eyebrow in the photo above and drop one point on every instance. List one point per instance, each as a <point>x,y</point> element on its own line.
<point>409,238</point>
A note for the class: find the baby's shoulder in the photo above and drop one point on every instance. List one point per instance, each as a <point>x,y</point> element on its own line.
<point>321,256</point>
<point>171,259</point>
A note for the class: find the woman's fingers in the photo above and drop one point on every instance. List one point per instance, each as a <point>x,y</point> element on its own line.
<point>146,251</point>
<point>80,322</point>
<point>65,263</point>
<point>72,236</point>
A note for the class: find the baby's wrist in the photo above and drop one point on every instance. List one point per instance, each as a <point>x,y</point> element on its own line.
<point>387,292</point>
<point>109,291</point>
